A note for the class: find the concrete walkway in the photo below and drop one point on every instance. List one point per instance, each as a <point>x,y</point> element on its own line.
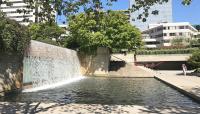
<point>54,108</point>
<point>131,71</point>
<point>188,85</point>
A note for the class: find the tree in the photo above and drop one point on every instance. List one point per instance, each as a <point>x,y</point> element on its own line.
<point>48,33</point>
<point>111,30</point>
<point>13,36</point>
<point>195,42</point>
<point>194,60</point>
<point>68,7</point>
<point>177,42</point>
<point>181,41</point>
<point>197,27</point>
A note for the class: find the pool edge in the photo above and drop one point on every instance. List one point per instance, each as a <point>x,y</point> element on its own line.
<point>184,92</point>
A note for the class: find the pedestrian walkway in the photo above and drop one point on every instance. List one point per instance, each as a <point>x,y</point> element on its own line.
<point>59,108</point>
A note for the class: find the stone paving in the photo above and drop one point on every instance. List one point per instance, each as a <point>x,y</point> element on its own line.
<point>54,108</point>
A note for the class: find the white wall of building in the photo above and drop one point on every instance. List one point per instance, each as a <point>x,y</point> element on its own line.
<point>165,32</point>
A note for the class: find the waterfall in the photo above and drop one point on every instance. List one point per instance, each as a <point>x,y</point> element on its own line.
<point>47,66</point>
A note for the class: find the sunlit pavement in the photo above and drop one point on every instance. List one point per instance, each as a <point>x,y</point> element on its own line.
<point>56,108</point>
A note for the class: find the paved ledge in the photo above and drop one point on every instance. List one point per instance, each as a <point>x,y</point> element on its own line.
<point>57,108</point>
<point>163,57</point>
<point>188,85</point>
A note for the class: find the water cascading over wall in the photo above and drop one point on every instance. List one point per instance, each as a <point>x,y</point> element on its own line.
<point>46,65</point>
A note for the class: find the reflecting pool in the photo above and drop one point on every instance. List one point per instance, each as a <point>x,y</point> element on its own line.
<point>123,91</point>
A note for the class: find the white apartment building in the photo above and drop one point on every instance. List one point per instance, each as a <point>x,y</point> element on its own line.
<point>160,35</point>
<point>11,11</point>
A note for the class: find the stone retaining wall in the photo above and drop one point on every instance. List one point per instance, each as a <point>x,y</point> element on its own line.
<point>95,65</point>
<point>10,72</point>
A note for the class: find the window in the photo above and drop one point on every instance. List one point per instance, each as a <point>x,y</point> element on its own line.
<point>172,34</point>
<point>180,34</point>
<point>158,36</point>
<point>159,29</point>
<point>164,34</point>
<point>181,27</point>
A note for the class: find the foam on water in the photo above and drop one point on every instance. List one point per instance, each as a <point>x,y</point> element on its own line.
<point>59,84</point>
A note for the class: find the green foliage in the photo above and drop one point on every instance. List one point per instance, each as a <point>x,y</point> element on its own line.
<point>47,33</point>
<point>197,27</point>
<point>194,60</point>
<point>13,36</point>
<point>177,42</point>
<point>166,51</point>
<point>195,43</point>
<point>111,30</point>
<point>197,70</point>
<point>184,42</point>
<point>68,7</point>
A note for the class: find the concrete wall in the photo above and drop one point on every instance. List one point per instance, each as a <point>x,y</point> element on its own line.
<point>129,58</point>
<point>10,72</point>
<point>165,65</point>
<point>45,65</point>
<point>97,64</point>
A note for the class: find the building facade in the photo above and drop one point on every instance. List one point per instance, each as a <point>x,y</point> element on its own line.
<point>161,35</point>
<point>164,15</point>
<point>11,9</point>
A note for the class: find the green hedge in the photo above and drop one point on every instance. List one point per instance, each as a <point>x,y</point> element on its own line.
<point>167,51</point>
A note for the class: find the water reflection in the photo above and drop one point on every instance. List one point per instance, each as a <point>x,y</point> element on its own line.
<point>111,91</point>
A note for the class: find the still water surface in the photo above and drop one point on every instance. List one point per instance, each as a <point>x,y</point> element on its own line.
<point>123,91</point>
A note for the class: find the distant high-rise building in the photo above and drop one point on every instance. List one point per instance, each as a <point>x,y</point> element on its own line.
<point>165,15</point>
<point>11,10</point>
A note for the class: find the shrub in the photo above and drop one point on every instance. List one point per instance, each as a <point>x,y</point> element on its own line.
<point>47,33</point>
<point>167,51</point>
<point>13,36</point>
<point>177,42</point>
<point>194,60</point>
<point>197,70</point>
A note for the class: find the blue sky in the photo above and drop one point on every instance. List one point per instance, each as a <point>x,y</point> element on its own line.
<point>181,13</point>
